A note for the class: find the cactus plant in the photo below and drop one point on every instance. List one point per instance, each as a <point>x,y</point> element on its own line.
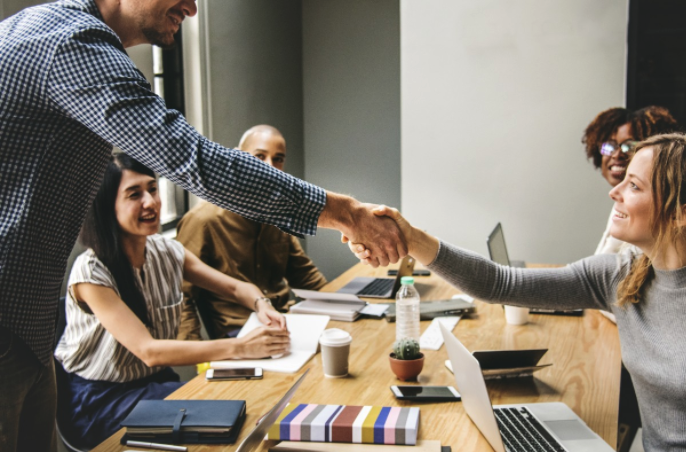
<point>406,349</point>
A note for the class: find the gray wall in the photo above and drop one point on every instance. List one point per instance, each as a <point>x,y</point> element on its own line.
<point>495,97</point>
<point>9,7</point>
<point>351,74</point>
<point>255,71</point>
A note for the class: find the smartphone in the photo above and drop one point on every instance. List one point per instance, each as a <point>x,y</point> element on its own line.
<point>417,272</point>
<point>247,373</point>
<point>426,393</point>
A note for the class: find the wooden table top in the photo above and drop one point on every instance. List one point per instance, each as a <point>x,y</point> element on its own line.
<point>585,373</point>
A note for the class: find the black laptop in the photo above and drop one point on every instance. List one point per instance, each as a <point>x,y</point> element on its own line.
<point>365,286</point>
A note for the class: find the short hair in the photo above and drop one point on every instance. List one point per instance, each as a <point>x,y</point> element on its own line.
<point>646,122</point>
<point>668,185</point>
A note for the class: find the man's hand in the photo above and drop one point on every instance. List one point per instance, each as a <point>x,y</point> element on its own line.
<point>357,222</point>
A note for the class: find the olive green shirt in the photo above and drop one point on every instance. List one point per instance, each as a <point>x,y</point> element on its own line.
<point>246,250</point>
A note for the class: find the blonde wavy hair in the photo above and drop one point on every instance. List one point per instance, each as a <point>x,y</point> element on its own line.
<point>668,184</point>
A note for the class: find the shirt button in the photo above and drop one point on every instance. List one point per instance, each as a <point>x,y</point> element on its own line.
<point>265,291</point>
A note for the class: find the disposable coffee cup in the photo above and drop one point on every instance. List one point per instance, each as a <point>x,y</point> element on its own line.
<point>514,315</point>
<point>335,344</point>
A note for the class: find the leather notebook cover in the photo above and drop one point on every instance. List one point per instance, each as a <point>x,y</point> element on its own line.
<point>185,421</point>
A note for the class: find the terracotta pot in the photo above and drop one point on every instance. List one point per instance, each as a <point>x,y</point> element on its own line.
<point>405,369</point>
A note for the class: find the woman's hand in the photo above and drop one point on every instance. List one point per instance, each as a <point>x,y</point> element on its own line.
<point>269,316</point>
<point>420,245</point>
<point>263,342</point>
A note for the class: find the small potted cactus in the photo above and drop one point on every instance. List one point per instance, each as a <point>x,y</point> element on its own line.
<point>406,360</point>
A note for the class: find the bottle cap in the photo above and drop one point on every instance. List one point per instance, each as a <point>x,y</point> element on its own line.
<point>407,280</point>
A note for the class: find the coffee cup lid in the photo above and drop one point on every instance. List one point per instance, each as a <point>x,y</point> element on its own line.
<point>335,336</point>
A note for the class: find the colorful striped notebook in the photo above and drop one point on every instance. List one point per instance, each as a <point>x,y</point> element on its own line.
<point>346,424</point>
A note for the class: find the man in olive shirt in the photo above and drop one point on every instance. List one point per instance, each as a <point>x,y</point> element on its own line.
<point>244,249</point>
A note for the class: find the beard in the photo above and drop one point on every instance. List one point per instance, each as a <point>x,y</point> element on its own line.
<point>163,40</point>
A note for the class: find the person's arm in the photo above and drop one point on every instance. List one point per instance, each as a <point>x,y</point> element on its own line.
<point>111,98</point>
<point>248,295</point>
<point>589,283</point>
<point>129,331</point>
<point>301,273</point>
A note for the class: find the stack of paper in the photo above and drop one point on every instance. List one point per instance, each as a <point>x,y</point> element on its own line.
<point>305,331</point>
<point>338,306</point>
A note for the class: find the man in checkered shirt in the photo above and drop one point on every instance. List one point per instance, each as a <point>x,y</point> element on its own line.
<point>68,93</point>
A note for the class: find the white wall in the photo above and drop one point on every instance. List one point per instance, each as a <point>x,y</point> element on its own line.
<point>351,84</point>
<point>495,97</point>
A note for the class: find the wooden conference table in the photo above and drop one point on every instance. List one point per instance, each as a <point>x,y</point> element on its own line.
<point>585,372</point>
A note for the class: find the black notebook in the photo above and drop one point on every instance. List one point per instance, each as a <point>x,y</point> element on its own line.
<point>185,421</point>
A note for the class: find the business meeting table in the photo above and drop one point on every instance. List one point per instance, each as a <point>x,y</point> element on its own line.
<point>585,374</point>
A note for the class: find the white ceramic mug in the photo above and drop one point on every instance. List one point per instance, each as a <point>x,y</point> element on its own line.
<point>514,315</point>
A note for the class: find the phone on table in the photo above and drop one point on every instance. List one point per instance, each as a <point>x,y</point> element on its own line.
<point>246,373</point>
<point>426,393</point>
<point>416,272</point>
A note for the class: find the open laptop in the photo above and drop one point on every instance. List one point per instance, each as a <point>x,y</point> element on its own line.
<point>497,249</point>
<point>524,427</point>
<point>365,286</point>
<point>260,431</point>
<point>498,253</point>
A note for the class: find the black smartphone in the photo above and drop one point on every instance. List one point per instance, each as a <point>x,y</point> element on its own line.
<point>426,393</point>
<point>246,373</point>
<point>417,272</point>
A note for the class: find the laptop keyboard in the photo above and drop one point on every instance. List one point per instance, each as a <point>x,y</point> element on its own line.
<point>521,431</point>
<point>379,287</point>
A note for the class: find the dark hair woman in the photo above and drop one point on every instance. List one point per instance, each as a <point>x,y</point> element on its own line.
<point>124,302</point>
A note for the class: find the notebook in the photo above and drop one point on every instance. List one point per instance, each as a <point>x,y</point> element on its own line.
<point>305,331</point>
<point>365,286</point>
<point>185,421</point>
<point>498,253</point>
<point>523,427</point>
<point>338,306</point>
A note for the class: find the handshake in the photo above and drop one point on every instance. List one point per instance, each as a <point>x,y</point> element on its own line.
<point>376,234</point>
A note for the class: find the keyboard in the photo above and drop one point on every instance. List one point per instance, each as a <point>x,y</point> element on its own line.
<point>521,432</point>
<point>379,286</point>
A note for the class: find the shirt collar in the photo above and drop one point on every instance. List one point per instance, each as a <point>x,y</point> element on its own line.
<point>88,6</point>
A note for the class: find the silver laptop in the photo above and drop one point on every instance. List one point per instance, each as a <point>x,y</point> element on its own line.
<point>364,286</point>
<point>256,437</point>
<point>510,428</point>
<point>497,249</point>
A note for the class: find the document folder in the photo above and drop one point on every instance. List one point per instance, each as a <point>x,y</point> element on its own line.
<point>185,421</point>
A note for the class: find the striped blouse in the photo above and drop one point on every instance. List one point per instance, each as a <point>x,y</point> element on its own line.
<point>87,349</point>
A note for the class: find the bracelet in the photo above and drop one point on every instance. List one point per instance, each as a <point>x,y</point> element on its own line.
<point>265,299</point>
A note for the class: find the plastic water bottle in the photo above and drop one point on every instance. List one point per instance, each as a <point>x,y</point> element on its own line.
<point>407,310</point>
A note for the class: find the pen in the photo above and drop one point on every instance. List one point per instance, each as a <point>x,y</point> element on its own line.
<point>157,446</point>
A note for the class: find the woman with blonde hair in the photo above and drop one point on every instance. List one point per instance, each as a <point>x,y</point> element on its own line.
<point>646,292</point>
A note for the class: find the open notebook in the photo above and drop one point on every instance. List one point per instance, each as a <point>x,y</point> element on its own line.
<point>305,331</point>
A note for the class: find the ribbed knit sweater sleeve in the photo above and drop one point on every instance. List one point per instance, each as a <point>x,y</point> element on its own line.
<point>588,283</point>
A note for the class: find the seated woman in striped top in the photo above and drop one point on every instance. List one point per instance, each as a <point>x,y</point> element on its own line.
<point>124,303</point>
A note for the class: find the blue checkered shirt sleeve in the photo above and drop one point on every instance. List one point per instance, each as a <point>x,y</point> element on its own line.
<point>93,81</point>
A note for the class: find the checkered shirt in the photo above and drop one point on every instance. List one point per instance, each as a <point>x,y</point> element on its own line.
<point>68,93</point>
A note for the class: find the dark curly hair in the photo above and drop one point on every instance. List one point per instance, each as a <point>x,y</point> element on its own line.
<point>645,123</point>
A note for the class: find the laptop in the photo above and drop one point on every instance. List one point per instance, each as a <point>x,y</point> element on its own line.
<point>514,428</point>
<point>260,431</point>
<point>365,286</point>
<point>498,253</point>
<point>497,249</point>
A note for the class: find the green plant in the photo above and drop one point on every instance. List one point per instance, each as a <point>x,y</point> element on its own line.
<point>406,349</point>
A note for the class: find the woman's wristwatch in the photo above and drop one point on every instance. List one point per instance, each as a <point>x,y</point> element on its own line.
<point>265,299</point>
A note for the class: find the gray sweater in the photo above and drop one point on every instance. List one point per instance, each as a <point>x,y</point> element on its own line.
<point>651,332</point>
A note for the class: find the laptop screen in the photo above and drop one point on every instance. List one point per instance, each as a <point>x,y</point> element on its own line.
<point>496,246</point>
